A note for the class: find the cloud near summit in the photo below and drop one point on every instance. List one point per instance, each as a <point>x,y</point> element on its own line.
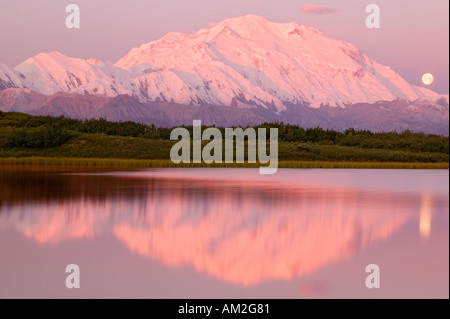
<point>313,9</point>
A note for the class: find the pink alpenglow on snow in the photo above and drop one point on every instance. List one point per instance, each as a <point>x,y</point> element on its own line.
<point>246,61</point>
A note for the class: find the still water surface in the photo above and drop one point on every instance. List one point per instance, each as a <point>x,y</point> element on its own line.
<point>223,233</point>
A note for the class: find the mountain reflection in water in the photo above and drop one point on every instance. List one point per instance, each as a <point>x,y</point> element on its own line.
<point>240,230</point>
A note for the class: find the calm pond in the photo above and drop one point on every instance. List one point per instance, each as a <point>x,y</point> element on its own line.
<point>223,233</point>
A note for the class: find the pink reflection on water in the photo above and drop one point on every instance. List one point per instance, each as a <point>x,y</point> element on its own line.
<point>295,239</point>
<point>243,234</point>
<point>425,216</point>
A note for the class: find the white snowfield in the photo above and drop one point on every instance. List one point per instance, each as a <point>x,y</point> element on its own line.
<point>244,61</point>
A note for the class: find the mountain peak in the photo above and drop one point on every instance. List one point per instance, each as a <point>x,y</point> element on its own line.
<point>255,23</point>
<point>52,55</point>
<point>246,19</point>
<point>246,61</point>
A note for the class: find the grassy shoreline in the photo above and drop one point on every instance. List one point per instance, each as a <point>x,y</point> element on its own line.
<point>37,140</point>
<point>155,163</point>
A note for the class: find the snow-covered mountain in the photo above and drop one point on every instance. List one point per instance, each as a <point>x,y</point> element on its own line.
<point>9,78</point>
<point>49,73</point>
<point>241,71</point>
<point>245,61</point>
<point>251,60</point>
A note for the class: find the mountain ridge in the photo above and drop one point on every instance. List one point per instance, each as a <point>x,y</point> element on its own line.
<point>245,63</point>
<point>399,115</point>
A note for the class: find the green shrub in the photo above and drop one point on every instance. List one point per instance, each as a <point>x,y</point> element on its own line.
<point>39,137</point>
<point>359,140</point>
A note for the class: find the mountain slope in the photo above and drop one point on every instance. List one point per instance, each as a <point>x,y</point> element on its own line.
<point>53,72</point>
<point>246,61</point>
<point>397,115</point>
<point>250,60</point>
<point>9,78</point>
<point>241,71</point>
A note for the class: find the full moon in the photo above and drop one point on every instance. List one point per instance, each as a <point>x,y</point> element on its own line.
<point>427,78</point>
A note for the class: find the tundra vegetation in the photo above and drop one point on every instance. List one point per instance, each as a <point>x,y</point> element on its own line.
<point>96,142</point>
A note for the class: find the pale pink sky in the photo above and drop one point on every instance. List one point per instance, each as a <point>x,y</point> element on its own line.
<point>413,38</point>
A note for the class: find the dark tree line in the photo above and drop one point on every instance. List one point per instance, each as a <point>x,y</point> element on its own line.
<point>37,137</point>
<point>46,131</point>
